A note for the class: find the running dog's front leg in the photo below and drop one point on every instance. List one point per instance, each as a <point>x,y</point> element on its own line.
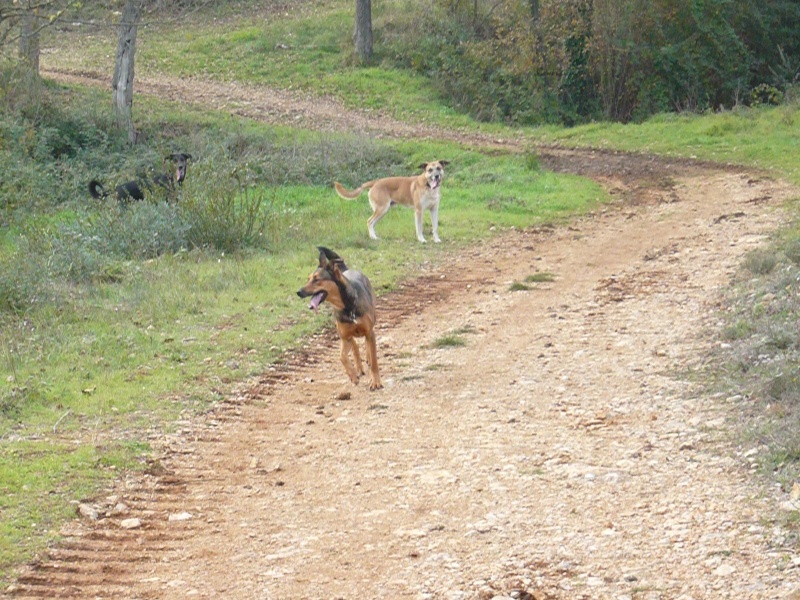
<point>345,356</point>
<point>372,350</point>
<point>357,357</point>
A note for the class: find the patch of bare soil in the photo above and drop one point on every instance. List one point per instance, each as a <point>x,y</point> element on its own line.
<point>561,453</point>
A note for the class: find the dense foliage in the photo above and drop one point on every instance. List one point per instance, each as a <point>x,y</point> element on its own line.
<point>534,61</point>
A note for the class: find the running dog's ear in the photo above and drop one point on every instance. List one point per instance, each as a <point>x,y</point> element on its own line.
<point>422,166</point>
<point>323,258</point>
<point>179,155</point>
<point>330,257</point>
<point>338,265</point>
<point>444,163</point>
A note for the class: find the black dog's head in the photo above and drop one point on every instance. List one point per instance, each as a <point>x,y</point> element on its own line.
<point>181,160</point>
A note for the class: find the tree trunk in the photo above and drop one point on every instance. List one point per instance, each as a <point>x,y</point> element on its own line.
<point>363,33</point>
<point>122,84</point>
<point>533,5</point>
<point>29,41</point>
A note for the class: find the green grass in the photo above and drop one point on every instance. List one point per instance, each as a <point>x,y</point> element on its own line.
<point>767,138</point>
<point>452,339</point>
<point>756,366</point>
<point>449,340</point>
<point>541,277</point>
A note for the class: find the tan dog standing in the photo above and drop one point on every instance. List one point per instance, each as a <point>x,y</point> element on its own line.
<point>422,192</point>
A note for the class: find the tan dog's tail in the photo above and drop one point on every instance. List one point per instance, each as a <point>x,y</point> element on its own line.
<point>351,195</point>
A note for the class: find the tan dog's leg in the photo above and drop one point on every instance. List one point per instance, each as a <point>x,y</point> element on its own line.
<point>418,223</point>
<point>345,356</point>
<point>435,222</point>
<point>379,210</point>
<point>372,351</point>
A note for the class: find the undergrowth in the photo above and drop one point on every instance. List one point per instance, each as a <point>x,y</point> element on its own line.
<point>757,364</point>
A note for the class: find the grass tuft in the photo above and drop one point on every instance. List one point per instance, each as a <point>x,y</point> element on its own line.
<point>541,277</point>
<point>449,341</point>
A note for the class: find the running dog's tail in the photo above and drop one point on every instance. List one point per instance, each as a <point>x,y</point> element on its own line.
<point>351,195</point>
<point>96,189</point>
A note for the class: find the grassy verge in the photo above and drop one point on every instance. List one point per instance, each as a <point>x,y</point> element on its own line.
<point>767,138</point>
<point>756,365</point>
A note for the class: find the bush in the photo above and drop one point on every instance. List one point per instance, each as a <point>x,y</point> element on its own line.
<point>316,161</point>
<point>224,210</point>
<point>140,230</point>
<point>761,262</point>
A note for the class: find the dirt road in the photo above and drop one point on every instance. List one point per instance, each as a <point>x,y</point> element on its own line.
<point>562,452</point>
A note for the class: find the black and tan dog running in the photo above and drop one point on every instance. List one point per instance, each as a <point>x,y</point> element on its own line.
<point>350,293</point>
<point>136,189</point>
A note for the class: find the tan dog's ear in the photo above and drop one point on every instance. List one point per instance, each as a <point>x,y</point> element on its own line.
<point>444,163</point>
<point>422,166</point>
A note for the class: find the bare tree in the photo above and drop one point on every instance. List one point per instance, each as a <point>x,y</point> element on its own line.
<point>29,41</point>
<point>362,37</point>
<point>122,84</point>
<point>22,20</point>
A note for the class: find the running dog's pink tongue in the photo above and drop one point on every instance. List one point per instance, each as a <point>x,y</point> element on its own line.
<point>316,300</point>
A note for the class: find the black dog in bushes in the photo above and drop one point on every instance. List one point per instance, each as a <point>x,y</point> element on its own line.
<point>136,189</point>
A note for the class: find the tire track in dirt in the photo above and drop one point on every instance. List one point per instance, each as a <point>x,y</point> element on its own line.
<point>555,456</point>
<point>104,559</point>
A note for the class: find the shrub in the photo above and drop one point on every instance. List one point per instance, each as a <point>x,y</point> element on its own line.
<point>224,210</point>
<point>761,262</point>
<point>140,230</point>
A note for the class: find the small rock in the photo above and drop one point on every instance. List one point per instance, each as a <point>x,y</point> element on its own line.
<point>344,396</point>
<point>182,516</point>
<point>130,523</point>
<point>724,570</point>
<point>120,509</point>
<point>88,511</point>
